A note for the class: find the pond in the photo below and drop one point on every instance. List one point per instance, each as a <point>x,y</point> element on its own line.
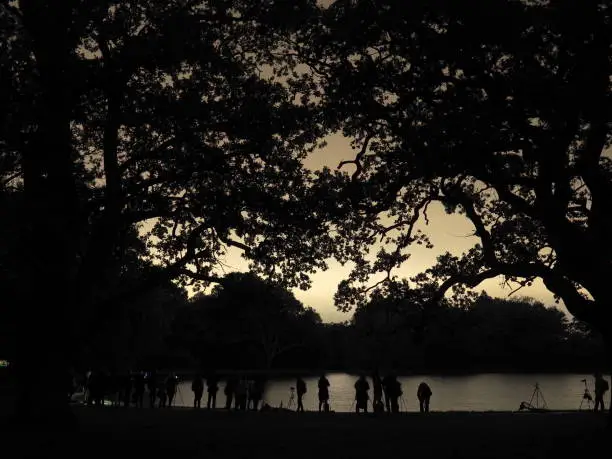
<point>479,392</point>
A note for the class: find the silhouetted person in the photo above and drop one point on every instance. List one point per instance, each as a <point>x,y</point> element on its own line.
<point>361,394</point>
<point>71,385</point>
<point>300,388</point>
<point>241,394</point>
<point>88,383</point>
<point>212,386</point>
<point>230,388</point>
<point>162,396</point>
<point>152,387</point>
<point>387,386</point>
<point>197,386</point>
<point>601,387</point>
<point>126,389</point>
<point>257,389</point>
<point>96,388</point>
<point>424,394</point>
<point>323,385</point>
<point>393,391</point>
<point>139,389</point>
<point>114,388</point>
<point>378,393</point>
<point>171,384</point>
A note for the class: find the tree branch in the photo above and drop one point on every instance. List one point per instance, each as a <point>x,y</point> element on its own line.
<point>358,157</point>
<point>232,243</point>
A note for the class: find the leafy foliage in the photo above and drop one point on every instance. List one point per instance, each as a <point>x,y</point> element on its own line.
<point>159,116</point>
<point>504,120</point>
<point>488,335</point>
<point>247,322</point>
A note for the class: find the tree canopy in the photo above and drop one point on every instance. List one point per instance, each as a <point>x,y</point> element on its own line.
<point>165,117</point>
<point>498,110</point>
<point>247,323</point>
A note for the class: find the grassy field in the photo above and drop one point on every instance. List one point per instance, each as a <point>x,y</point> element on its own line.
<point>185,433</point>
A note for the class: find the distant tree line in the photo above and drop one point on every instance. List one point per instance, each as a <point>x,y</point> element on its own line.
<point>249,323</point>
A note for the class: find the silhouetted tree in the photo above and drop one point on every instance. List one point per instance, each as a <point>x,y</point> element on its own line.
<point>152,115</point>
<point>504,120</point>
<point>247,322</point>
<point>490,334</point>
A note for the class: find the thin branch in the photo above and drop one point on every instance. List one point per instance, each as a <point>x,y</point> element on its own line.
<point>522,284</point>
<point>380,282</point>
<point>358,157</point>
<point>411,222</point>
<point>232,243</point>
<point>471,281</point>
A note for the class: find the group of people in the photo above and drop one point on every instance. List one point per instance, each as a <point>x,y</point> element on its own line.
<point>323,393</point>
<point>389,387</point>
<point>242,393</point>
<point>130,388</point>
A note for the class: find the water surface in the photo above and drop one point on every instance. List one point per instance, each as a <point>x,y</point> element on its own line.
<point>480,392</point>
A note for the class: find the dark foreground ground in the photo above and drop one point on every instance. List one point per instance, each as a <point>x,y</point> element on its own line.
<point>183,433</point>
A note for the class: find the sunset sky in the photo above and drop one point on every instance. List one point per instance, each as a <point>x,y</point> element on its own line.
<point>451,233</point>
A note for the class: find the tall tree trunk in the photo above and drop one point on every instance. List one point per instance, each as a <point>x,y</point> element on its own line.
<point>608,341</point>
<point>42,363</point>
<point>46,310</point>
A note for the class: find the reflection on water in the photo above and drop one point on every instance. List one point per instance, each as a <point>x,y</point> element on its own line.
<point>482,392</point>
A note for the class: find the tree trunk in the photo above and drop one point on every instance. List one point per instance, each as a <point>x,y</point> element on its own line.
<point>42,363</point>
<point>46,311</point>
<point>608,341</point>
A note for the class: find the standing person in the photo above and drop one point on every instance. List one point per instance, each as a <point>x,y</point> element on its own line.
<point>394,393</point>
<point>323,393</point>
<point>171,384</point>
<point>228,390</point>
<point>241,394</point>
<point>601,387</point>
<point>361,394</point>
<point>152,387</point>
<point>424,394</point>
<point>139,389</point>
<point>212,386</point>
<point>161,394</point>
<point>126,389</point>
<point>378,393</point>
<point>258,389</point>
<point>197,386</point>
<point>388,382</point>
<point>300,387</point>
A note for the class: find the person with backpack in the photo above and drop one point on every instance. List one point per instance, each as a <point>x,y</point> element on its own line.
<point>301,390</point>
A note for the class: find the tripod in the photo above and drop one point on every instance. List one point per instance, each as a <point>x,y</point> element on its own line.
<point>538,397</point>
<point>291,398</point>
<point>586,397</point>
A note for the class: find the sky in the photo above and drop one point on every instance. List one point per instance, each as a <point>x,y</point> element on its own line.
<point>453,233</point>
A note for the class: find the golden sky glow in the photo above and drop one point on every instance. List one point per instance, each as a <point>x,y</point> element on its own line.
<point>453,233</point>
